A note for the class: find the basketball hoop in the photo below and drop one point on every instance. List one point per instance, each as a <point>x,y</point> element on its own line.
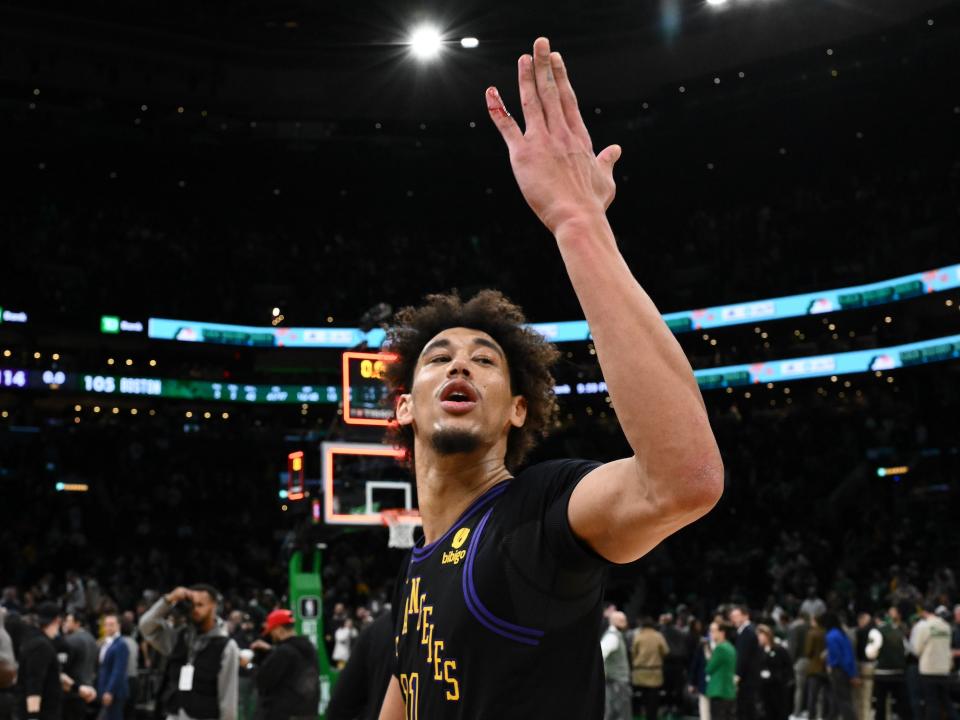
<point>401,523</point>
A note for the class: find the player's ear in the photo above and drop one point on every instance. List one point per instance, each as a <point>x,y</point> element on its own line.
<point>404,411</point>
<point>518,411</point>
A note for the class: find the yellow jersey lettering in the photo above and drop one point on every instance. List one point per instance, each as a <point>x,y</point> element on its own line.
<point>437,649</point>
<point>450,667</point>
<point>454,556</point>
<point>414,596</point>
<point>425,612</point>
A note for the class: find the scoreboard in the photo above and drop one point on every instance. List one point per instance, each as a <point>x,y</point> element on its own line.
<point>365,394</point>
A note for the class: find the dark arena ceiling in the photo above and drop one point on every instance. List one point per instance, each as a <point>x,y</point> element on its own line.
<point>339,59</point>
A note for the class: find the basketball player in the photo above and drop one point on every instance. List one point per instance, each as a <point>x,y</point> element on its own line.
<point>497,611</point>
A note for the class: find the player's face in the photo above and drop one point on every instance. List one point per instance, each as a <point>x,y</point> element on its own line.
<point>460,400</point>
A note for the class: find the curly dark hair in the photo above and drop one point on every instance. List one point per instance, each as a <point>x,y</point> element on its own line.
<point>529,358</point>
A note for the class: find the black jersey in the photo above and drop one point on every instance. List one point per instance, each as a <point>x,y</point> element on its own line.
<point>500,617</point>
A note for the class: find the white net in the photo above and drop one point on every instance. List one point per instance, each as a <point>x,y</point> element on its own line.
<point>401,524</point>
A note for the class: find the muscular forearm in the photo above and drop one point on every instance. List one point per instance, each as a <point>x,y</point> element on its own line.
<point>650,381</point>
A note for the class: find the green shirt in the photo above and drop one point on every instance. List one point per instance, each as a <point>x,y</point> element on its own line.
<point>721,668</point>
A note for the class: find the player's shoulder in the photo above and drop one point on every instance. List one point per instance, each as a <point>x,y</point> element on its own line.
<point>543,483</point>
<point>559,468</point>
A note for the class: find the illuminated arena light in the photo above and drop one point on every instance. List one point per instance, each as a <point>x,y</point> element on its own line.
<point>469,42</point>
<point>425,42</point>
<point>716,3</point>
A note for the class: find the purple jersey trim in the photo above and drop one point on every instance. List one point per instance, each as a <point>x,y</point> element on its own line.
<point>420,554</point>
<point>501,627</point>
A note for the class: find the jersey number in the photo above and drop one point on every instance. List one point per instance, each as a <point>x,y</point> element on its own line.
<point>410,686</point>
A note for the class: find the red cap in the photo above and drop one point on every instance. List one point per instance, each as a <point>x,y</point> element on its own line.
<point>277,618</point>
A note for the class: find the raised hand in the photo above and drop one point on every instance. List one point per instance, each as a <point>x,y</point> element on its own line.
<point>552,158</point>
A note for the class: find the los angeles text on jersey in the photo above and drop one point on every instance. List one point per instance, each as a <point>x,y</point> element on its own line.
<point>442,669</point>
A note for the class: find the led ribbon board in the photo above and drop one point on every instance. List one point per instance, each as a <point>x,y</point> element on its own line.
<point>829,301</point>
<point>859,361</point>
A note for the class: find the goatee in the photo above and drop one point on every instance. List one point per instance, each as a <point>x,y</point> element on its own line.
<point>451,442</point>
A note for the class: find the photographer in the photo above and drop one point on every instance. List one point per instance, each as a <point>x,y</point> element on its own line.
<point>202,662</point>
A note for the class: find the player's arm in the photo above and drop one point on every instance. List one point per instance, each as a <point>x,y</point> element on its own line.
<point>624,508</point>
<point>392,708</point>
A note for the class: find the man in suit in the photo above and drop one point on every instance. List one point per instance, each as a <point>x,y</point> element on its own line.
<point>112,677</point>
<point>748,659</point>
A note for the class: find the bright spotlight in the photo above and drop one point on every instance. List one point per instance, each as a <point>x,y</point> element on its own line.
<point>716,3</point>
<point>425,42</point>
<point>469,42</point>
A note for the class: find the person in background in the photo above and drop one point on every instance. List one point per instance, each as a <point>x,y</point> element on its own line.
<point>127,630</point>
<point>288,684</point>
<point>202,662</point>
<point>8,669</point>
<point>362,684</point>
<point>616,669</point>
<point>796,637</point>
<point>244,634</point>
<point>674,664</point>
<point>748,662</point>
<point>776,675</point>
<point>112,676</point>
<point>649,649</point>
<point>815,651</point>
<point>39,672</point>
<point>930,642</point>
<point>697,672</point>
<point>863,693</point>
<point>79,672</point>
<point>886,644</point>
<point>344,638</point>
<point>841,668</point>
<point>721,673</point>
<point>955,638</point>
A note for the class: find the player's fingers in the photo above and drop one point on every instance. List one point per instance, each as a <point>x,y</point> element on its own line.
<point>609,155</point>
<point>502,119</point>
<point>533,119</point>
<point>568,100</point>
<point>547,85</point>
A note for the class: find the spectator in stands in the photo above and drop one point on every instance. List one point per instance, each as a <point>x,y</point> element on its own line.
<point>112,675</point>
<point>841,668</point>
<point>39,673</point>
<point>616,669</point>
<point>930,642</point>
<point>815,649</point>
<point>647,652</point>
<point>776,675</point>
<point>887,645</point>
<point>796,638</point>
<point>202,662</point>
<point>721,673</point>
<point>80,668</point>
<point>288,685</point>
<point>748,663</point>
<point>8,669</point>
